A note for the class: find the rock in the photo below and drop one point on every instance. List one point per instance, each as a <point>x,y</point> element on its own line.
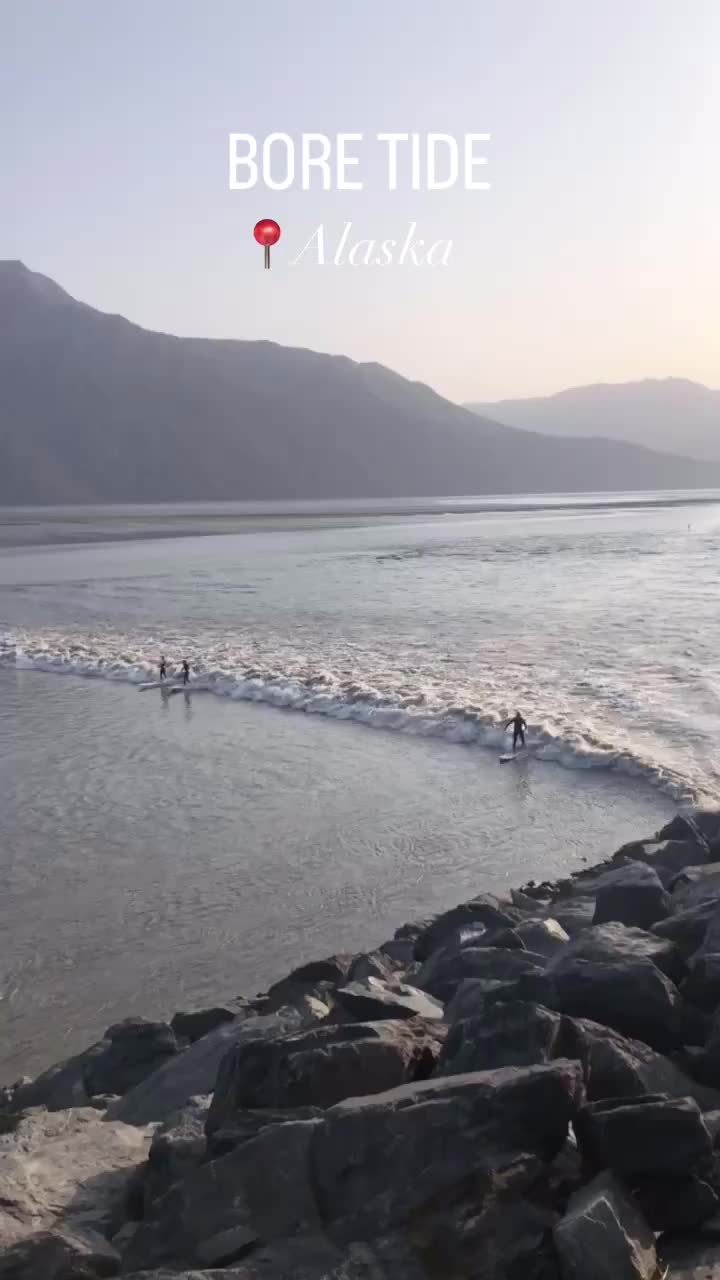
<point>631,996</point>
<point>672,1203</point>
<point>372,999</point>
<point>604,1236</point>
<point>505,1035</point>
<point>136,1048</point>
<point>691,1259</point>
<point>695,885</point>
<point>707,822</point>
<point>193,1026</point>
<point>60,1086</point>
<point>618,942</point>
<point>669,857</point>
<point>406,1163</point>
<point>687,928</point>
<point>635,897</point>
<point>573,914</point>
<point>525,902</point>
<point>65,1170</point>
<point>194,1071</point>
<point>443,973</point>
<point>702,985</point>
<point>542,937</point>
<point>377,964</point>
<point>176,1148</point>
<point>686,827</point>
<point>484,910</point>
<point>60,1255</point>
<point>247,1124</point>
<point>646,1136</point>
<point>316,978</point>
<point>477,994</point>
<point>322,1066</point>
<point>399,951</point>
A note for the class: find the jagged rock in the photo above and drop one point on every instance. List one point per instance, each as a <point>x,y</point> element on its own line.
<point>372,999</point>
<point>686,827</point>
<point>631,996</point>
<point>668,858</point>
<point>695,885</point>
<point>604,1236</point>
<point>193,1026</point>
<point>650,1135</point>
<point>136,1048</point>
<point>573,914</point>
<point>505,1035</point>
<point>474,995</point>
<point>690,1259</point>
<point>316,978</point>
<point>409,1161</point>
<point>702,985</point>
<point>673,1203</point>
<point>542,937</point>
<point>375,964</point>
<point>484,910</point>
<point>60,1255</point>
<point>687,928</point>
<point>65,1170</point>
<point>619,942</point>
<point>399,951</point>
<point>322,1066</point>
<point>247,1124</point>
<point>177,1147</point>
<point>194,1071</point>
<point>634,896</point>
<point>61,1085</point>
<point>443,973</point>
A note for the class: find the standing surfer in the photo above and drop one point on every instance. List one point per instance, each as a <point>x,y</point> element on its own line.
<point>519,726</point>
<point>186,671</point>
<point>163,667</point>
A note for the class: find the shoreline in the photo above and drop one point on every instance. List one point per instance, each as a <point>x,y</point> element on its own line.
<point>556,1045</point>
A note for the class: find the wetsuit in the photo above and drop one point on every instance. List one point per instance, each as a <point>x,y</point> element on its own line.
<point>163,668</point>
<point>519,727</point>
<point>186,672</point>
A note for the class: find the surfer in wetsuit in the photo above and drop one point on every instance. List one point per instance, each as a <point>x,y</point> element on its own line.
<point>519,727</point>
<point>163,667</point>
<point>186,671</point>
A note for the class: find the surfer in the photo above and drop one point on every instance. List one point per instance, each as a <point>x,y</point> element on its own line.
<point>519,726</point>
<point>186,671</point>
<point>163,667</point>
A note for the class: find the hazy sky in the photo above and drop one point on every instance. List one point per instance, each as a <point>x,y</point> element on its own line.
<point>594,256</point>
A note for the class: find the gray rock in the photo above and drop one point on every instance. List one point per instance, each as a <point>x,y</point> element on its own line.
<point>377,964</point>
<point>322,1066</point>
<point>695,885</point>
<point>194,1071</point>
<point>194,1025</point>
<point>484,910</point>
<point>669,857</point>
<point>67,1171</point>
<point>543,937</point>
<point>618,942</point>
<point>405,1162</point>
<point>631,996</point>
<point>635,896</point>
<point>604,1236</point>
<point>444,972</point>
<point>672,1203</point>
<point>136,1048</point>
<point>247,1124</point>
<point>177,1147</point>
<point>505,1035</point>
<point>573,914</point>
<point>61,1254</point>
<point>687,928</point>
<point>702,985</point>
<point>689,1258</point>
<point>61,1085</point>
<point>655,1135</point>
<point>317,978</point>
<point>474,995</point>
<point>371,998</point>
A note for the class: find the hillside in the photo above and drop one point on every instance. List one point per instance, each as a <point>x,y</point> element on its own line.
<point>96,409</point>
<point>671,414</point>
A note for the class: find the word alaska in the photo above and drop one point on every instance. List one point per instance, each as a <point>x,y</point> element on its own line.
<point>410,161</point>
<point>351,252</point>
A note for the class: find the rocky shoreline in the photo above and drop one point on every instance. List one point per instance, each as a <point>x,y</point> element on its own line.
<point>517,1089</point>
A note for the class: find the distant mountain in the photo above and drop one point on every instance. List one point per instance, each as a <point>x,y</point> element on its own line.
<point>95,409</point>
<point>671,414</point>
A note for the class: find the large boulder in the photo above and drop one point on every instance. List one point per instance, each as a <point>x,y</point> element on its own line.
<point>695,885</point>
<point>194,1071</point>
<point>323,1066</point>
<point>619,942</point>
<point>484,911</point>
<point>475,995</point>
<point>687,928</point>
<point>317,978</point>
<point>371,999</point>
<point>690,1258</point>
<point>633,896</point>
<point>60,1254</point>
<point>648,1135</point>
<point>444,972</point>
<point>603,1236</point>
<point>504,1035</point>
<point>543,937</point>
<point>668,857</point>
<point>674,1202</point>
<point>195,1024</point>
<point>415,1162</point>
<point>573,914</point>
<point>177,1146</point>
<point>631,996</point>
<point>65,1171</point>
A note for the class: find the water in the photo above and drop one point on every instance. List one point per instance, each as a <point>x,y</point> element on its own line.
<point>157,852</point>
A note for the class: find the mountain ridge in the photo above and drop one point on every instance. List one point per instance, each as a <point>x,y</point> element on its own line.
<point>95,408</point>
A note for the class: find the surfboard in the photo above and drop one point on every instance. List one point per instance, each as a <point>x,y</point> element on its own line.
<point>154,684</point>
<point>516,755</point>
<point>507,759</point>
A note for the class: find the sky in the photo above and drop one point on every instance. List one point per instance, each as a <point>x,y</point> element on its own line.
<point>594,256</point>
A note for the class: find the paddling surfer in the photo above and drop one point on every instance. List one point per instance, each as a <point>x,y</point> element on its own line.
<point>519,726</point>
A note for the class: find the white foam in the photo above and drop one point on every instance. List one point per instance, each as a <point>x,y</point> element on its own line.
<point>411,705</point>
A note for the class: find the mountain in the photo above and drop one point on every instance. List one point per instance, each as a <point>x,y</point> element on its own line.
<point>671,414</point>
<point>96,409</point>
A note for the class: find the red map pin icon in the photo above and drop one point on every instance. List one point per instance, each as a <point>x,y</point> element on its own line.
<point>267,232</point>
